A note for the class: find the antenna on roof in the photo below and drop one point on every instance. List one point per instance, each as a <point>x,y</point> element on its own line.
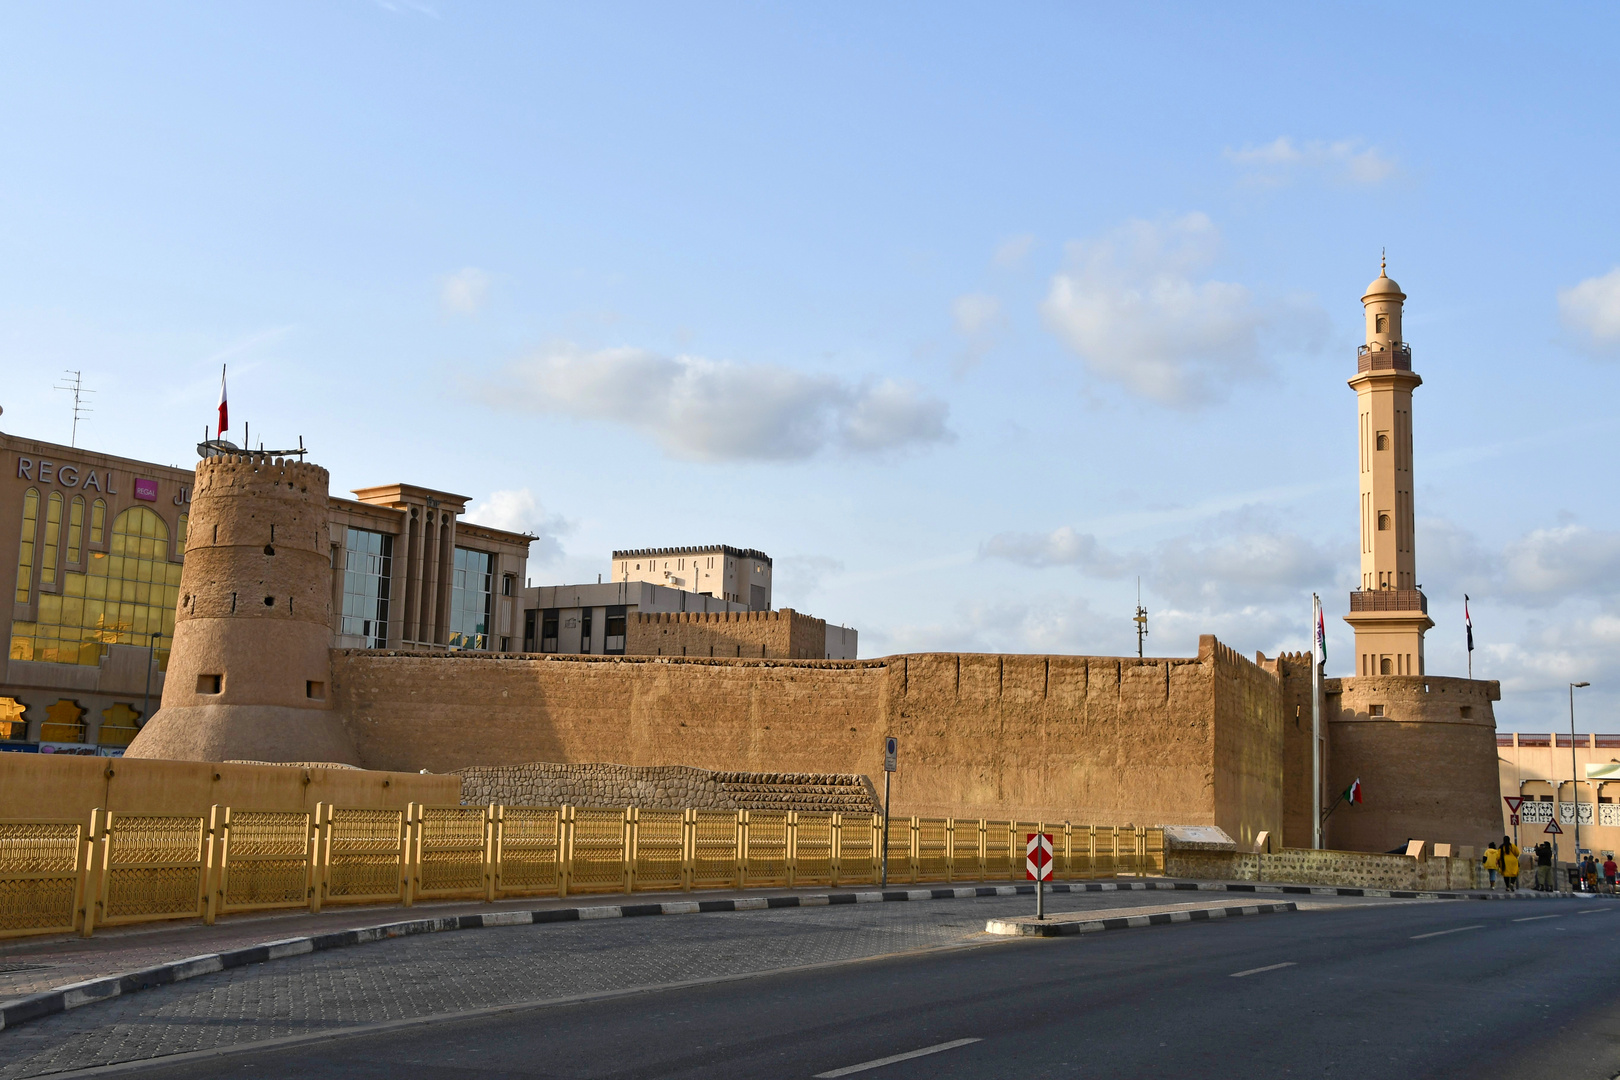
<point>1140,620</point>
<point>76,384</point>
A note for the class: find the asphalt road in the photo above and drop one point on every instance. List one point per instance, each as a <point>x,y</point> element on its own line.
<point>1435,989</point>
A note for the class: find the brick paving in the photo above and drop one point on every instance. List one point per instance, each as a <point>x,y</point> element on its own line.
<point>448,973</point>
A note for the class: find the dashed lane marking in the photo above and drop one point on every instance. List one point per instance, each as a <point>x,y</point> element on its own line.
<point>1256,971</point>
<point>1533,918</point>
<point>907,1056</point>
<point>1443,933</point>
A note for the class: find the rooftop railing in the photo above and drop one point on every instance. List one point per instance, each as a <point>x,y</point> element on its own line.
<point>1397,357</point>
<point>1389,600</point>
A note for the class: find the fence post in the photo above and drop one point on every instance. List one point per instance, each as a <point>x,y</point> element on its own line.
<point>688,848</point>
<point>739,879</point>
<point>565,849</point>
<point>491,868</point>
<point>219,821</point>
<point>630,844</point>
<point>791,847</point>
<point>407,865</point>
<point>90,869</point>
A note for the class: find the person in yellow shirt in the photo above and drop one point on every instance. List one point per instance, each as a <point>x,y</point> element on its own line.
<point>1493,863</point>
<point>1510,865</point>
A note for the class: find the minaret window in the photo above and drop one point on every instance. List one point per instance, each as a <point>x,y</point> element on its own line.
<point>1383,440</point>
<point>1383,522</point>
<point>1381,324</point>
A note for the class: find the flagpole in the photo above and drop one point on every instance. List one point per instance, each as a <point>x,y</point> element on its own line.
<point>1316,723</point>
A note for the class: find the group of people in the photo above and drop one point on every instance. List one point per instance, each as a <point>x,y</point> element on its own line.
<point>1588,874</point>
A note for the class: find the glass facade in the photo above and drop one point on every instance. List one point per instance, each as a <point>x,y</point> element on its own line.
<point>123,596</point>
<point>76,531</point>
<point>470,598</point>
<point>367,569</point>
<point>25,551</point>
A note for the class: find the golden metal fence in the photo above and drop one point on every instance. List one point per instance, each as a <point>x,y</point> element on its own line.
<point>57,877</point>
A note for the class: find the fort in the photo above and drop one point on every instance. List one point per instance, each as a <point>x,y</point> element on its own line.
<point>261,668</point>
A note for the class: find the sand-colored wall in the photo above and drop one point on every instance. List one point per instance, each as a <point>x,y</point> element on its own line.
<point>1293,672</point>
<point>784,634</point>
<point>48,786</point>
<point>1086,738</point>
<point>1428,772</point>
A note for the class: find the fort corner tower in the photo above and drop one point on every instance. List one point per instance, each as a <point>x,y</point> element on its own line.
<point>1388,612</point>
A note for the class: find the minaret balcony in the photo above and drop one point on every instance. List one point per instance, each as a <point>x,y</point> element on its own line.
<point>1389,600</point>
<point>1396,356</point>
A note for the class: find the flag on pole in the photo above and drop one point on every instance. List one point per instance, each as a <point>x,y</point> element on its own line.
<point>224,412</point>
<point>1352,794</point>
<point>1321,630</point>
<point>1468,623</point>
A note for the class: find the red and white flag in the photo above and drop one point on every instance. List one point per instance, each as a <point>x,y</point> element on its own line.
<point>224,411</point>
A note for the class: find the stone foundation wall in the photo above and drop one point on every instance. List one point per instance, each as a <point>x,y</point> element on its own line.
<point>1303,866</point>
<point>663,787</point>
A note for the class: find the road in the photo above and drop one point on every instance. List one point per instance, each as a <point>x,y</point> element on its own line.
<point>1528,989</point>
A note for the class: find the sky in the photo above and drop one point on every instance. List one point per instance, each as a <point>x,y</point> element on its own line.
<point>972,317</point>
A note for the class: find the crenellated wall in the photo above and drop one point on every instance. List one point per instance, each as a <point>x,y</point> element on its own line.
<point>1109,739</point>
<point>784,634</point>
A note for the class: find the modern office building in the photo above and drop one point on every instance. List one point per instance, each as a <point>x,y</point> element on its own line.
<point>734,575</point>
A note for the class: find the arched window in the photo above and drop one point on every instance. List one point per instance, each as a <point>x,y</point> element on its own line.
<point>123,596</point>
<point>98,521</point>
<point>180,535</point>
<point>64,722</point>
<point>53,538</point>
<point>1383,666</point>
<point>1383,522</point>
<point>13,725</point>
<point>25,550</point>
<point>75,554</point>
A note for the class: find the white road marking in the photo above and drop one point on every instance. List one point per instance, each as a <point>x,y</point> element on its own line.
<point>1594,911</point>
<point>1533,918</point>
<point>1256,971</point>
<point>880,1062</point>
<point>1442,933</point>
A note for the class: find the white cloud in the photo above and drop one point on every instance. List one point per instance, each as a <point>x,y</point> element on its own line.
<point>980,321</point>
<point>795,577</point>
<point>1012,252</point>
<point>520,511</point>
<point>1130,306</point>
<point>1063,546</point>
<point>712,410</point>
<point>465,291</point>
<point>1591,310</point>
<point>1345,161</point>
<point>1546,566</point>
<point>1243,569</point>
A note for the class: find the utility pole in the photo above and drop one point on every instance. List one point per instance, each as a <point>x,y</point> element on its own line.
<point>75,383</point>
<point>1140,620</point>
<point>1574,774</point>
<point>1318,659</point>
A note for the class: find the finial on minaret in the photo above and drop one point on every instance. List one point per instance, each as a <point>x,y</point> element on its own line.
<point>1383,262</point>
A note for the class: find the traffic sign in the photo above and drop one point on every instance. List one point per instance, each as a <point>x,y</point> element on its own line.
<point>1038,857</point>
<point>891,753</point>
<point>1513,802</point>
<point>1552,827</point>
<point>1513,820</point>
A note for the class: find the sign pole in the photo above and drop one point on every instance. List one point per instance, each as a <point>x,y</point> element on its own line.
<point>1318,648</point>
<point>891,754</point>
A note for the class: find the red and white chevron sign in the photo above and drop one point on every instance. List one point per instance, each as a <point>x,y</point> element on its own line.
<point>1038,857</point>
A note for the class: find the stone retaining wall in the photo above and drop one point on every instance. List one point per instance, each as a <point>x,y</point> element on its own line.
<point>1302,866</point>
<point>663,787</point>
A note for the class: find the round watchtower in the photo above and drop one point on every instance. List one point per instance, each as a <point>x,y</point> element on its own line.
<point>249,673</point>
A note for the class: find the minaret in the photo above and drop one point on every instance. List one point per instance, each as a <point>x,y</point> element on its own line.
<point>1388,611</point>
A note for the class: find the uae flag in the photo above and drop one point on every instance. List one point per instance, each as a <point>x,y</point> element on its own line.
<point>1468,623</point>
<point>224,411</point>
<point>1352,794</point>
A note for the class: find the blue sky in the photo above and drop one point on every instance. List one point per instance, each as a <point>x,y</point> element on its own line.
<point>968,317</point>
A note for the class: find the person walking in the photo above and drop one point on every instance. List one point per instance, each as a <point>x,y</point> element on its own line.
<point>1510,865</point>
<point>1493,864</point>
<point>1609,871</point>
<point>1544,866</point>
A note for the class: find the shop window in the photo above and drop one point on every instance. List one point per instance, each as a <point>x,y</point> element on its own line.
<point>548,630</point>
<point>25,550</point>
<point>117,725</point>
<point>123,596</point>
<point>13,724</point>
<point>75,552</point>
<point>53,537</point>
<point>64,722</point>
<point>98,521</point>
<point>613,639</point>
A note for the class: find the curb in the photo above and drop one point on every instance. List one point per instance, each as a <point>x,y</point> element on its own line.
<point>1026,926</point>
<point>71,996</point>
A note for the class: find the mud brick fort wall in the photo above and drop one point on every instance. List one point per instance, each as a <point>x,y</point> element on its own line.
<point>1192,741</point>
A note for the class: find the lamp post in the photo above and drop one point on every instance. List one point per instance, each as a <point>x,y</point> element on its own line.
<point>1574,774</point>
<point>151,657</point>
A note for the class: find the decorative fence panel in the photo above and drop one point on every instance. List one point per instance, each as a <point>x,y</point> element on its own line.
<point>262,862</point>
<point>858,838</point>
<point>999,864</point>
<point>598,841</point>
<point>449,852</point>
<point>811,860</point>
<point>715,864</point>
<point>152,867</point>
<point>933,849</point>
<point>900,847</point>
<point>364,856</point>
<point>658,858</point>
<point>525,851</point>
<point>765,848</point>
<point>42,871</point>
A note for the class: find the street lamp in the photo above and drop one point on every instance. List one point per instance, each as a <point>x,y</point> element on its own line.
<point>1574,775</point>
